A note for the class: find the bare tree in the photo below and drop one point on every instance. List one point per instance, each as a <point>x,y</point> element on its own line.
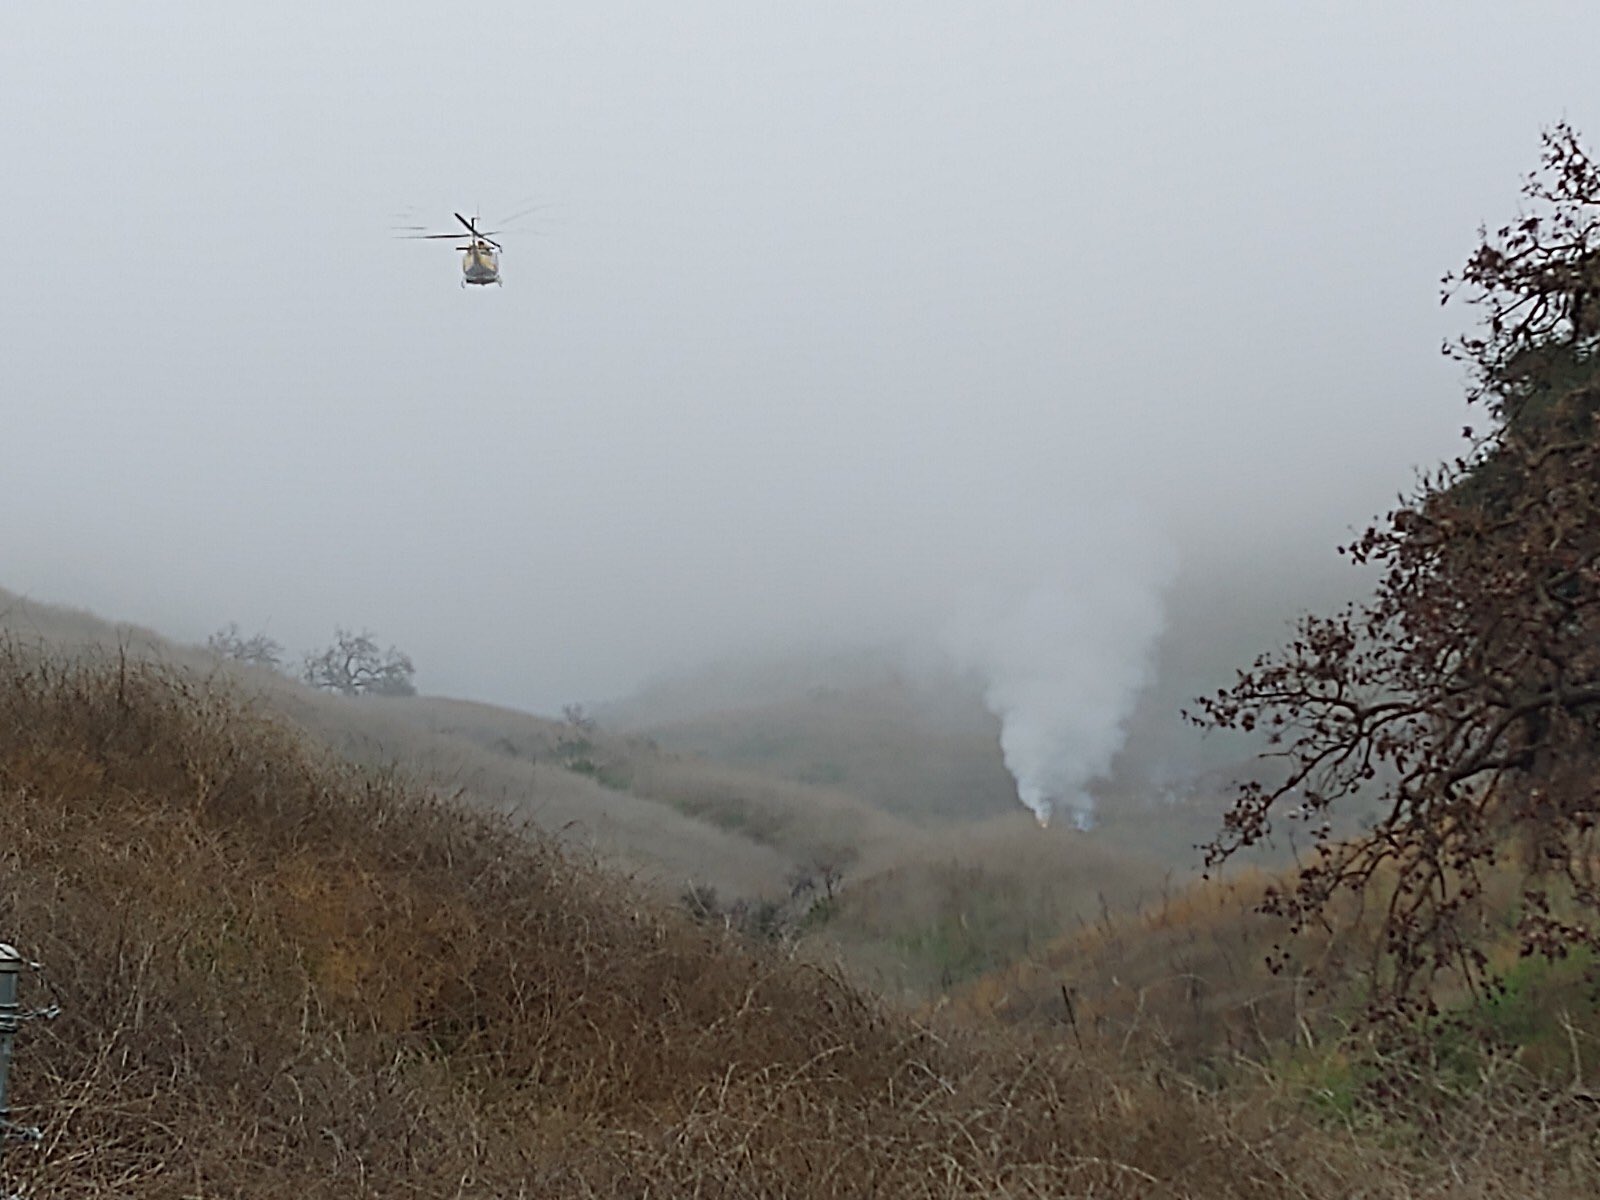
<point>1465,695</point>
<point>822,873</point>
<point>579,718</point>
<point>354,666</point>
<point>258,649</point>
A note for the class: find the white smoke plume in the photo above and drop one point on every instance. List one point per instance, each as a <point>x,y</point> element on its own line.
<point>1064,662</point>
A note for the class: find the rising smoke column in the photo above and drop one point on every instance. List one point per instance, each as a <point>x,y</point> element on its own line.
<point>1063,662</point>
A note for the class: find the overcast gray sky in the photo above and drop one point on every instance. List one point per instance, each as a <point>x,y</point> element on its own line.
<point>838,315</point>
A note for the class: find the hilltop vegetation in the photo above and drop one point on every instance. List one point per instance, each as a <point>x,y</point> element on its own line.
<point>285,975</point>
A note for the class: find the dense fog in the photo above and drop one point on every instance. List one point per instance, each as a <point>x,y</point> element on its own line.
<point>970,324</point>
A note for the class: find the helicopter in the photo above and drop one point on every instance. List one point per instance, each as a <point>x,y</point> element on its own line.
<point>480,262</point>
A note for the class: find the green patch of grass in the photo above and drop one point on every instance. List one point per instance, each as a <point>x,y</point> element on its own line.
<point>615,776</point>
<point>974,930</point>
<point>731,813</point>
<point>946,952</point>
<point>1548,1011</point>
<point>1336,1082</point>
<point>819,914</point>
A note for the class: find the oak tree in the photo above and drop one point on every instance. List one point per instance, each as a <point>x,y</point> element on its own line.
<point>353,665</point>
<point>258,649</point>
<point>1464,697</point>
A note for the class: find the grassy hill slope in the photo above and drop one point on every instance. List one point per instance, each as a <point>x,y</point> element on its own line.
<point>422,738</point>
<point>923,904</point>
<point>1188,975</point>
<point>928,752</point>
<point>283,975</point>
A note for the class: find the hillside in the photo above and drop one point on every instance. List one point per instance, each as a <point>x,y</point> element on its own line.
<point>908,734</point>
<point>914,742</point>
<point>1201,977</point>
<point>451,747</point>
<point>283,975</point>
<point>924,904</point>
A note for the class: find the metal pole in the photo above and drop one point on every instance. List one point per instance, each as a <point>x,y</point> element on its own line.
<point>11,1017</point>
<point>11,964</point>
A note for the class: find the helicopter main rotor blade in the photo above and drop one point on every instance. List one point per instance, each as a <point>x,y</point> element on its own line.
<point>525,212</point>
<point>472,227</point>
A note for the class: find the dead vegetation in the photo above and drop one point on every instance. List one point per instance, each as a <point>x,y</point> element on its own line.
<point>1186,976</point>
<point>489,757</point>
<point>283,976</point>
<point>1197,981</point>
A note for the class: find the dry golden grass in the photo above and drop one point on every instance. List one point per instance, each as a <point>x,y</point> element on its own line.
<point>796,821</point>
<point>1199,976</point>
<point>1187,972</point>
<point>952,903</point>
<point>283,976</point>
<point>674,820</point>
<point>490,757</point>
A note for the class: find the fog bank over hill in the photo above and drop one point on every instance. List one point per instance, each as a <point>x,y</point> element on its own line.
<point>913,723</point>
<point>832,316</point>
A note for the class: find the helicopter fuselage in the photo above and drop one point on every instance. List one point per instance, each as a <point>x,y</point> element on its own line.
<point>480,264</point>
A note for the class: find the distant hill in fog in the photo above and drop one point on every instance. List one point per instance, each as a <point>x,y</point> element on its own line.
<point>913,739</point>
